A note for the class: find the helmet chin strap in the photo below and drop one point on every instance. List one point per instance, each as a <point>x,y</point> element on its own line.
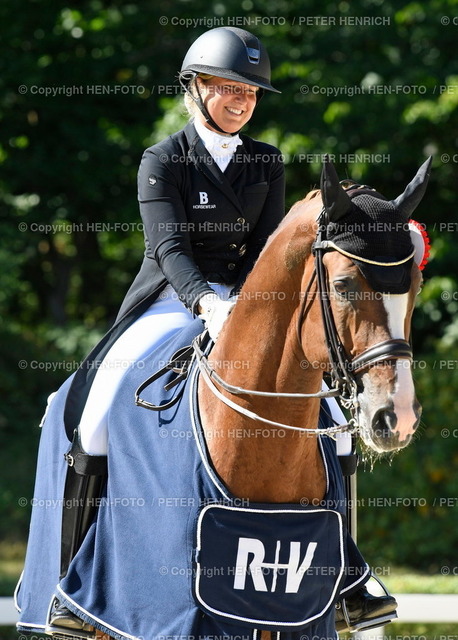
<point>202,108</point>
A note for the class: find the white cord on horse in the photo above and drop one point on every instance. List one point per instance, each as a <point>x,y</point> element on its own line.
<point>329,431</point>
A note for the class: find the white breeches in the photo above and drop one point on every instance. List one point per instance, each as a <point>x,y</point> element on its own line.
<point>165,316</point>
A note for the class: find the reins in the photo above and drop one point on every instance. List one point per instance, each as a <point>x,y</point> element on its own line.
<point>180,365</point>
<point>206,368</point>
<point>210,374</point>
<point>348,399</point>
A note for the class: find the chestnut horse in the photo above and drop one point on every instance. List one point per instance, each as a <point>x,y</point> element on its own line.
<point>277,327</point>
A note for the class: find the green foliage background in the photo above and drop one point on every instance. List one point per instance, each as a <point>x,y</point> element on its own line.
<point>388,89</point>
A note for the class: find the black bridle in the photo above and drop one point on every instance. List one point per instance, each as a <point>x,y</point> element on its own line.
<point>343,367</point>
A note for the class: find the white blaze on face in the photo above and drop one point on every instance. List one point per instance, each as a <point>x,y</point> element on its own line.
<point>404,393</point>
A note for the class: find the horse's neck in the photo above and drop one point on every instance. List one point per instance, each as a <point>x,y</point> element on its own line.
<point>259,349</point>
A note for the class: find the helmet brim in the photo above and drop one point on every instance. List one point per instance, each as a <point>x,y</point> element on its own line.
<point>228,74</point>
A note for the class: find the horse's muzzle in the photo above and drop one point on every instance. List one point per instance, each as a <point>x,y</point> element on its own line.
<point>385,432</point>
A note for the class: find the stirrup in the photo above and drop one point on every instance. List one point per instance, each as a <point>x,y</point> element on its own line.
<point>61,632</point>
<point>368,623</point>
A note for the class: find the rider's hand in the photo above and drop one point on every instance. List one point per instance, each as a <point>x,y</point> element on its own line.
<point>214,311</point>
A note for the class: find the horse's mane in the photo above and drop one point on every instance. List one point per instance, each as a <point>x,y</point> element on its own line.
<point>312,194</point>
<point>298,209</point>
<point>296,247</point>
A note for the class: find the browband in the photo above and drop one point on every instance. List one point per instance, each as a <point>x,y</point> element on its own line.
<point>329,244</point>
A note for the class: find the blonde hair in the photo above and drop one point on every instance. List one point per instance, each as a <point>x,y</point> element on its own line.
<point>190,106</point>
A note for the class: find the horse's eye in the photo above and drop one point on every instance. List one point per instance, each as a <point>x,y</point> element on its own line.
<point>341,287</point>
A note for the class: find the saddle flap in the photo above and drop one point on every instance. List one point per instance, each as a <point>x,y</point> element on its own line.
<point>276,567</point>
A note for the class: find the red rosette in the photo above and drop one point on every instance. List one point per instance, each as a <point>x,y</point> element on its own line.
<point>421,243</point>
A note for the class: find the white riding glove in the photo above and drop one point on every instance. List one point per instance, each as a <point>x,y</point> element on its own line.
<point>214,311</point>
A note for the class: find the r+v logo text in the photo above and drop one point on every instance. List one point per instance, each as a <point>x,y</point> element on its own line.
<point>250,563</point>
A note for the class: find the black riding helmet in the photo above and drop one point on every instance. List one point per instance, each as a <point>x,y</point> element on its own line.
<point>230,53</point>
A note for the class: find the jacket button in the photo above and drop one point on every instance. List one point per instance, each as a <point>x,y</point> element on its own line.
<point>241,220</point>
<point>232,246</point>
<point>231,266</point>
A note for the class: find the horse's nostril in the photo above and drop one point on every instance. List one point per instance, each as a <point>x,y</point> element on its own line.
<point>385,433</point>
<point>384,423</point>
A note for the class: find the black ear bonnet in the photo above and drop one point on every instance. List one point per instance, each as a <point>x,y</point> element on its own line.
<point>374,232</point>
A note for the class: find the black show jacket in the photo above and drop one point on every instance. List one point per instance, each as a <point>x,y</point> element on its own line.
<point>203,225</point>
<point>200,225</point>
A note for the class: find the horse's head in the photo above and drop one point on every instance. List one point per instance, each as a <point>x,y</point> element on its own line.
<point>367,260</point>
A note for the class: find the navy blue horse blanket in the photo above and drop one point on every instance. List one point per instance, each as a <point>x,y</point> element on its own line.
<point>171,554</point>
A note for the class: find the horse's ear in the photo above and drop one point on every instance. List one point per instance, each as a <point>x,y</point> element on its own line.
<point>408,201</point>
<point>335,200</point>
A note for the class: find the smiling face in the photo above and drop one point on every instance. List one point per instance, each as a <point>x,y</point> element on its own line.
<point>230,104</point>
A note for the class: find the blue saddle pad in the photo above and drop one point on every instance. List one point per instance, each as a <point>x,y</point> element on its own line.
<point>157,529</point>
<point>273,566</point>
